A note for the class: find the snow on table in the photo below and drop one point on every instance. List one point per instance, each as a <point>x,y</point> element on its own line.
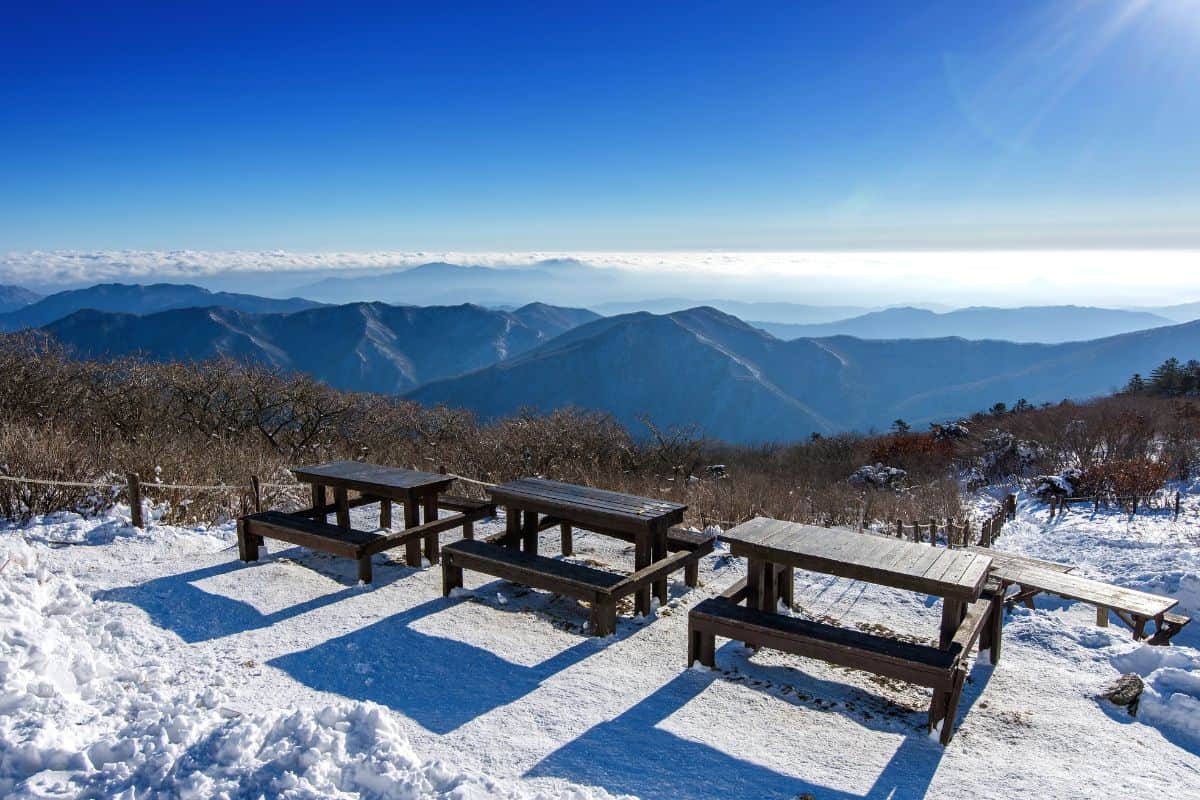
<point>155,661</point>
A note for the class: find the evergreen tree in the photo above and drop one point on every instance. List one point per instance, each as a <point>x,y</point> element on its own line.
<point>1136,385</point>
<point>1167,378</point>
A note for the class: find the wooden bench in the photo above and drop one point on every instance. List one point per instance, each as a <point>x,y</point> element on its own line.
<point>943,670</point>
<point>1132,607</point>
<point>599,588</point>
<point>360,545</point>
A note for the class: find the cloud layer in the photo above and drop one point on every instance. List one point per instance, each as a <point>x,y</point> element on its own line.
<point>1114,277</point>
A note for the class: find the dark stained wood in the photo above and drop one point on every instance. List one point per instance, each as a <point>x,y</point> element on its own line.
<point>341,502</point>
<point>412,545</point>
<point>566,540</point>
<point>308,533</point>
<point>942,669</point>
<point>588,507</point>
<point>915,663</point>
<point>375,479</point>
<point>942,572</point>
<point>429,515</point>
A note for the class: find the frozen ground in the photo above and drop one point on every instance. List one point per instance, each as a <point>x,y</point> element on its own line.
<point>156,664</point>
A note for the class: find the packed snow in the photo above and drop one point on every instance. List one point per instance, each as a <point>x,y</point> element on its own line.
<point>154,663</point>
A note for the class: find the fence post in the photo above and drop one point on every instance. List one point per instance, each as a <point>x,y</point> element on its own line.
<point>933,531</point>
<point>1053,505</point>
<point>1011,504</point>
<point>1096,507</point>
<point>256,493</point>
<point>899,529</point>
<point>135,500</point>
<point>1177,505</point>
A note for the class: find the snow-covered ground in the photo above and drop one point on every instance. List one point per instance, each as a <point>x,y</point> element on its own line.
<point>156,664</point>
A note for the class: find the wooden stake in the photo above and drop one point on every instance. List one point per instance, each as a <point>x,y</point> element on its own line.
<point>256,493</point>
<point>135,500</point>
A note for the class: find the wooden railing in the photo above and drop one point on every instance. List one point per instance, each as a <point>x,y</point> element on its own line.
<point>953,533</point>
<point>1060,505</point>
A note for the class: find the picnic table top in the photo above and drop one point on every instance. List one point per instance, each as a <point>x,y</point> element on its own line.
<point>939,571</point>
<point>584,504</point>
<point>371,478</point>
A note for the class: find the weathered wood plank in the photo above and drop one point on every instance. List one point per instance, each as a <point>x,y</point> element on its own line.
<point>917,567</point>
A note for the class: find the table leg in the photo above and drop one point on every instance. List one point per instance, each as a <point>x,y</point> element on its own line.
<point>529,533</point>
<point>412,548</point>
<point>953,613</point>
<point>429,514</point>
<point>642,549</point>
<point>568,544</point>
<point>385,514</point>
<point>512,527</point>
<point>660,552</point>
<point>763,584</point>
<point>318,502</point>
<point>341,499</point>
<point>787,586</point>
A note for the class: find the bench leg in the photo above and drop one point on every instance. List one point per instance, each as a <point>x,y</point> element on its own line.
<point>469,529</point>
<point>691,573</point>
<point>247,543</point>
<point>568,545</point>
<point>945,707</point>
<point>364,569</point>
<point>412,548</point>
<point>603,618</point>
<point>385,514</point>
<point>1102,616</point>
<point>1139,628</point>
<point>452,577</point>
<point>702,647</point>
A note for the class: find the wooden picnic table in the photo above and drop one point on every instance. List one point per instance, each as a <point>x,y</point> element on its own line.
<point>773,548</point>
<point>417,491</point>
<point>645,520</point>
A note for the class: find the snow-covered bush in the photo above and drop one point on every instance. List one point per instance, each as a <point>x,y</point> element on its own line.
<point>877,476</point>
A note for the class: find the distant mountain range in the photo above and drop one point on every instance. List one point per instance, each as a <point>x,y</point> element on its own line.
<point>138,299</point>
<point>440,283</point>
<point>362,346</point>
<point>1049,324</point>
<point>788,313</point>
<point>14,297</point>
<point>695,366</point>
<point>742,384</point>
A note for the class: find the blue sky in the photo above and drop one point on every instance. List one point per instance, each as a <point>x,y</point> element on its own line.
<point>807,126</point>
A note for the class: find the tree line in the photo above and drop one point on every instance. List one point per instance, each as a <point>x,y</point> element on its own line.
<point>1172,378</point>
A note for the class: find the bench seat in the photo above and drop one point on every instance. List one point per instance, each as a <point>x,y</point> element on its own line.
<point>944,671</point>
<point>598,587</point>
<point>300,529</point>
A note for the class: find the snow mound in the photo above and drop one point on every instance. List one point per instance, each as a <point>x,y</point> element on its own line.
<point>85,712</point>
<point>1170,700</point>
